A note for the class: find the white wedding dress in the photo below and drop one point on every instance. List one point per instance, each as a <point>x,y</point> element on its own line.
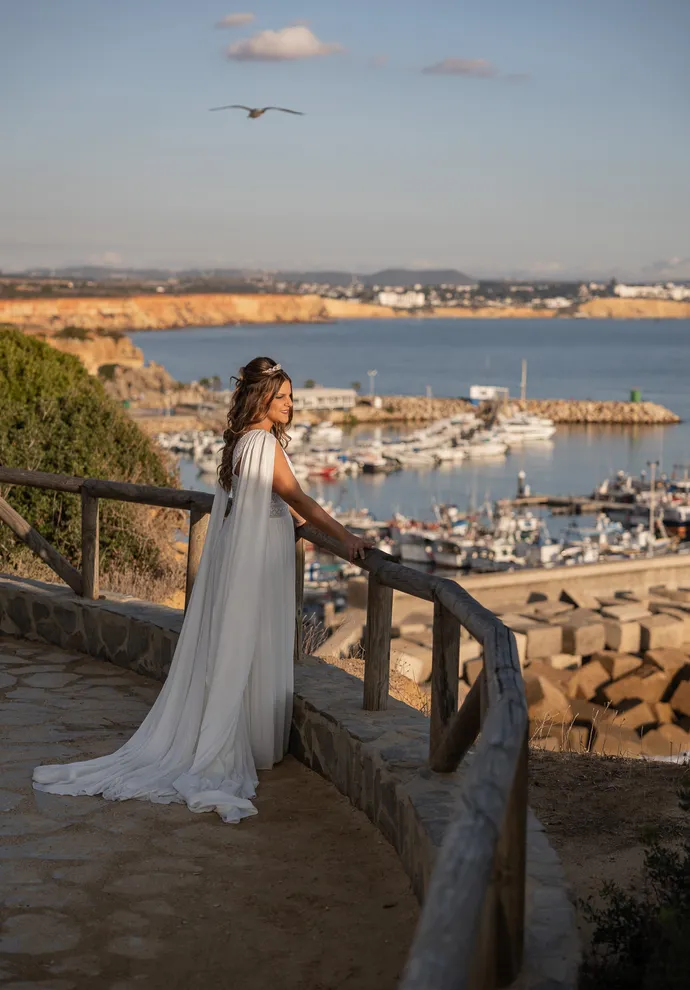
<point>226,706</point>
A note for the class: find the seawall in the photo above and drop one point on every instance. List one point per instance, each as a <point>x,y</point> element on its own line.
<point>165,312</point>
<point>412,408</point>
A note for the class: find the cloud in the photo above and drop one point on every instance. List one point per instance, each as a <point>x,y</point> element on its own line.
<point>235,20</point>
<point>480,68</point>
<point>287,44</point>
<point>668,267</point>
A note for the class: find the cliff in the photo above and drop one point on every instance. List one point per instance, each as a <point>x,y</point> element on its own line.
<point>165,312</point>
<point>96,350</point>
<point>636,309</point>
<point>161,312</point>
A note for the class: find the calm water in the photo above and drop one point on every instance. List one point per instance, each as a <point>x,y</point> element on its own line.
<point>597,359</point>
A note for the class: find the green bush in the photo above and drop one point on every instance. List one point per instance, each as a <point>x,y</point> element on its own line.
<point>107,371</point>
<point>641,937</point>
<point>55,417</point>
<point>74,333</point>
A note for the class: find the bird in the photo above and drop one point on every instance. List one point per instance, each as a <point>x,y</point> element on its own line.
<point>255,112</point>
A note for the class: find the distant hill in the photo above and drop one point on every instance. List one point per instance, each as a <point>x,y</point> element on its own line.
<point>389,276</point>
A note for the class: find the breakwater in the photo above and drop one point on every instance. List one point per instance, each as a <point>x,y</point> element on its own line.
<point>411,409</point>
<point>168,311</point>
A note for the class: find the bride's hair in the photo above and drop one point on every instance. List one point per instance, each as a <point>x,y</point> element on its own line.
<point>256,387</point>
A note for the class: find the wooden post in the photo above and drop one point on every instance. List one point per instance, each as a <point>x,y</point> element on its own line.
<point>460,734</point>
<point>377,646</point>
<point>198,524</point>
<point>445,670</point>
<point>34,541</point>
<point>89,545</point>
<point>510,867</point>
<point>299,600</point>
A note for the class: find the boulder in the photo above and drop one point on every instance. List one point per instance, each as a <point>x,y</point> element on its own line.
<point>656,744</point>
<point>347,636</point>
<point>669,659</point>
<point>586,681</point>
<point>564,661</point>
<point>637,716</point>
<point>660,630</point>
<point>578,598</point>
<point>586,713</point>
<point>629,612</point>
<point>411,660</point>
<point>545,701</point>
<point>649,684</point>
<point>541,640</point>
<point>680,616</point>
<point>616,664</point>
<point>583,638</point>
<point>471,670</point>
<point>675,734</point>
<point>545,611</point>
<point>622,636</point>
<point>663,712</point>
<point>680,700</point>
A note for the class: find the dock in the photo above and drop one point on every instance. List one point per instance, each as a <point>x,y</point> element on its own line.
<point>569,505</point>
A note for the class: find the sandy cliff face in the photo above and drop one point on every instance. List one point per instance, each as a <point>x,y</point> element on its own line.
<point>636,309</point>
<point>164,312</point>
<point>161,312</point>
<point>98,350</point>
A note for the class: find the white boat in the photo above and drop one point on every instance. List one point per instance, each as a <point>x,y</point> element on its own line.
<point>485,443</point>
<point>451,554</point>
<point>416,459</point>
<point>522,428</point>
<point>415,548</point>
<point>450,455</point>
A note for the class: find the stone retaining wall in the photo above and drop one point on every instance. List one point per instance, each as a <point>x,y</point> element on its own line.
<point>378,759</point>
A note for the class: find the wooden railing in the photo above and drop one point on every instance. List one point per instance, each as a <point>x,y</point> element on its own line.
<point>471,931</point>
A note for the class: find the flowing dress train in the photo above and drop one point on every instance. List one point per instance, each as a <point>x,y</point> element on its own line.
<point>225,708</point>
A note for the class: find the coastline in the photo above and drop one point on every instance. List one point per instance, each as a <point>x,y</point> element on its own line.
<point>169,312</point>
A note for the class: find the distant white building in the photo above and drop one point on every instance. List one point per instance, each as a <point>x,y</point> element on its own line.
<point>485,393</point>
<point>557,302</point>
<point>641,291</point>
<point>402,300</point>
<point>309,399</point>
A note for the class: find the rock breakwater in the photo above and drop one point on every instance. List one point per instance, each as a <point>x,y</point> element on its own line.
<point>412,408</point>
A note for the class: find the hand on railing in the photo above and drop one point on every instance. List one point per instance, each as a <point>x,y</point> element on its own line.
<point>357,547</point>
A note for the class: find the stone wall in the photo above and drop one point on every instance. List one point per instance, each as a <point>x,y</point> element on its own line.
<point>377,759</point>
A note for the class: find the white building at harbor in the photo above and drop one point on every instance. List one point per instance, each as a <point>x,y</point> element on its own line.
<point>402,300</point>
<point>312,399</point>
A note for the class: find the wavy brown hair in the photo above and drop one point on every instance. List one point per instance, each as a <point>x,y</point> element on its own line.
<point>256,387</point>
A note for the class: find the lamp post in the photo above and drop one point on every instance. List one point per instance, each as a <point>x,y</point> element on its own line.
<point>372,376</point>
<point>652,465</point>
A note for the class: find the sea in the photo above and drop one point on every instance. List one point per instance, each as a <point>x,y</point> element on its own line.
<point>566,359</point>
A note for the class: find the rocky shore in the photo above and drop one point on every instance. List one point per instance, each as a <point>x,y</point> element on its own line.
<point>168,311</point>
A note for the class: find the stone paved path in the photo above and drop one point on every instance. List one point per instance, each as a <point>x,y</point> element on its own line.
<point>130,895</point>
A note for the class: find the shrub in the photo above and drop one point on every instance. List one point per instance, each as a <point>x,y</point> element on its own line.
<point>74,333</point>
<point>55,417</point>
<point>107,371</point>
<point>641,937</point>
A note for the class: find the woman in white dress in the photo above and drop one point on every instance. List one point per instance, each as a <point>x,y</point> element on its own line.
<point>224,711</point>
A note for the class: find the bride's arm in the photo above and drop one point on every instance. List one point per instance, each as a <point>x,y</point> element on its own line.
<point>305,508</point>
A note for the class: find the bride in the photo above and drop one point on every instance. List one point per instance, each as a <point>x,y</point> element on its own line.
<point>224,711</point>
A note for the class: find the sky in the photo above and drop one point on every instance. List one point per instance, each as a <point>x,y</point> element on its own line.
<point>511,138</point>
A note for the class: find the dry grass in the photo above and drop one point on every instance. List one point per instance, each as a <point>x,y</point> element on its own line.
<point>415,695</point>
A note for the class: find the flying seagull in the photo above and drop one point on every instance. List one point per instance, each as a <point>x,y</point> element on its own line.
<point>257,111</point>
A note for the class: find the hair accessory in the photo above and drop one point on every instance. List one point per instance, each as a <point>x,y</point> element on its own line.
<point>270,371</point>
